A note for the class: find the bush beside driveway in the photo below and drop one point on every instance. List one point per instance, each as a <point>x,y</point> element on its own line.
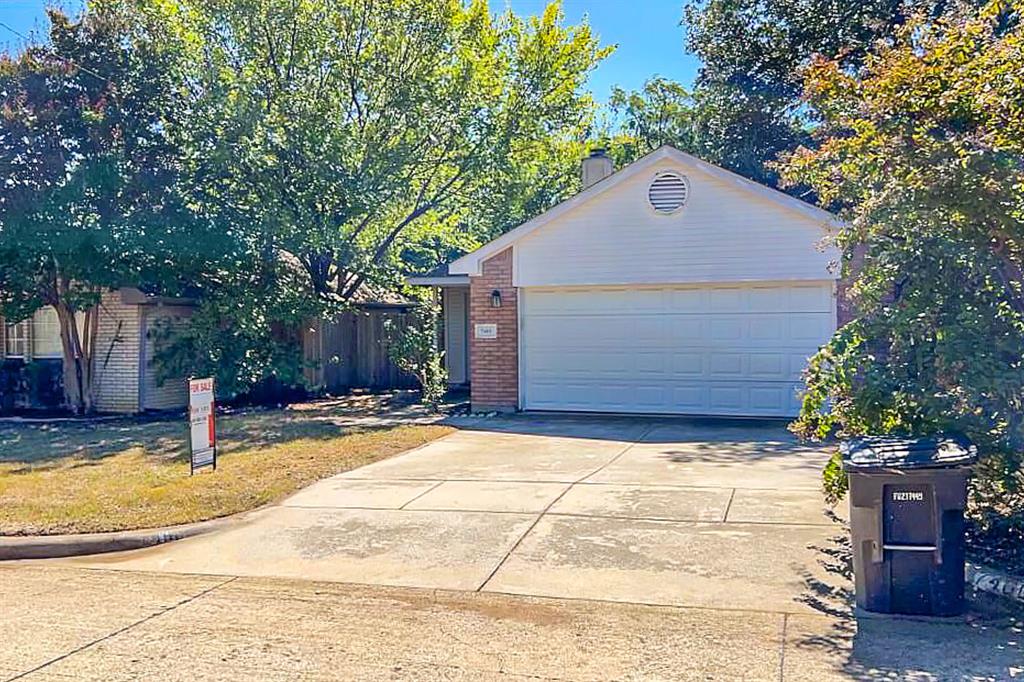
<point>82,477</point>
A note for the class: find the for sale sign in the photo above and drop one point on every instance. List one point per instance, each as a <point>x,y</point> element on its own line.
<point>202,424</point>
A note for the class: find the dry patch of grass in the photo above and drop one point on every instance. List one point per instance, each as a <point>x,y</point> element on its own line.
<point>127,475</point>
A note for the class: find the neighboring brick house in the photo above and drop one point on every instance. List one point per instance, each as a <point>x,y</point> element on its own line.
<point>125,380</point>
<point>670,287</point>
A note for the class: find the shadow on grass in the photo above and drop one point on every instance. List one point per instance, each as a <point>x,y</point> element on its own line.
<point>31,447</point>
<point>981,645</point>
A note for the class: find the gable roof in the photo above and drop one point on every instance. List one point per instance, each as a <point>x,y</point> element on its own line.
<point>470,263</point>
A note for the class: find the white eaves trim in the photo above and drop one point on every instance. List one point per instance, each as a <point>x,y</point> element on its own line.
<point>439,281</point>
<point>471,263</point>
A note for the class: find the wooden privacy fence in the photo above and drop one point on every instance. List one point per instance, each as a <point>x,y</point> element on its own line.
<point>351,350</point>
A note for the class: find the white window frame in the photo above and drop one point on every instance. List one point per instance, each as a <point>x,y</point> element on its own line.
<point>18,333</point>
<point>46,316</point>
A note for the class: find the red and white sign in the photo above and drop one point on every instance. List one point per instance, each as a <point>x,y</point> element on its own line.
<point>202,423</point>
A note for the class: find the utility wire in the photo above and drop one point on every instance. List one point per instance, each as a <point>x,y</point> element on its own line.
<point>64,59</point>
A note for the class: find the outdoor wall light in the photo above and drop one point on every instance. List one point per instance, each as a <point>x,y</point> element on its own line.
<point>495,299</point>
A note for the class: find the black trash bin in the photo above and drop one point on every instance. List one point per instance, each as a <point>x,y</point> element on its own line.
<point>907,499</point>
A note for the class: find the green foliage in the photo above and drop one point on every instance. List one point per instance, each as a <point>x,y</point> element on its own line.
<point>274,159</point>
<point>349,133</point>
<point>748,89</point>
<point>661,113</point>
<point>834,479</point>
<point>923,148</point>
<point>716,122</point>
<point>44,380</point>
<point>36,384</point>
<point>247,344</point>
<point>415,349</point>
<point>89,172</point>
<point>357,141</point>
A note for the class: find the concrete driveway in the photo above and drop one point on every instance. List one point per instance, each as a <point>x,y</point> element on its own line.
<point>667,512</point>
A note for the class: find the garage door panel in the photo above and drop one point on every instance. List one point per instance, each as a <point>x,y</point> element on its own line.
<point>720,398</point>
<point>687,329</point>
<point>688,398</point>
<point>771,399</point>
<point>726,398</point>
<point>688,365</point>
<point>727,365</point>
<point>724,299</point>
<point>651,363</point>
<point>770,366</point>
<point>725,328</point>
<point>810,299</point>
<point>768,328</point>
<point>729,350</point>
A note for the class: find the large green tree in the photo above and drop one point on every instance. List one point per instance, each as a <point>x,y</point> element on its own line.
<point>344,142</point>
<point>719,124</point>
<point>88,174</point>
<point>662,112</point>
<point>749,84</point>
<point>336,129</point>
<point>924,150</point>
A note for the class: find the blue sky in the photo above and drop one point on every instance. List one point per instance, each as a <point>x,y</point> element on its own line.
<point>647,32</point>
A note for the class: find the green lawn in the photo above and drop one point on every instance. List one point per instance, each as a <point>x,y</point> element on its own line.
<point>74,477</point>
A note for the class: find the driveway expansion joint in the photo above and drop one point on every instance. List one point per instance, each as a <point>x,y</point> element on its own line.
<point>782,647</point>
<point>425,492</point>
<point>616,458</point>
<point>553,502</point>
<point>647,528</point>
<point>124,629</point>
<point>728,506</point>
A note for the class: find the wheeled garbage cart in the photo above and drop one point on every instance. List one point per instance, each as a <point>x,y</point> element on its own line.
<point>907,499</point>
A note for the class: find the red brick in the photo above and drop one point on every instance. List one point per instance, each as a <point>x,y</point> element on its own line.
<point>494,363</point>
<point>845,309</point>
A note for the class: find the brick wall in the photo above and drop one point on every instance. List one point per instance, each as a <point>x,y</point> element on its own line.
<point>844,306</point>
<point>494,363</point>
<point>117,355</point>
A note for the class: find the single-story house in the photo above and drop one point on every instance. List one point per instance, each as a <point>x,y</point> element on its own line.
<point>672,286</point>
<point>342,353</point>
<point>125,380</point>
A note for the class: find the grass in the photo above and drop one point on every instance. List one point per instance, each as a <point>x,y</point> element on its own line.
<point>124,474</point>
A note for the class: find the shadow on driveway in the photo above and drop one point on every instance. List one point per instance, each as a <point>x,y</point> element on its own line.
<point>982,645</point>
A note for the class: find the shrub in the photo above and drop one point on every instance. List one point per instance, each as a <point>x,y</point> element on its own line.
<point>921,150</point>
<point>415,349</point>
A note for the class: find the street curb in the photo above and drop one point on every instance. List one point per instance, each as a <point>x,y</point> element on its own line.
<point>996,583</point>
<point>57,546</point>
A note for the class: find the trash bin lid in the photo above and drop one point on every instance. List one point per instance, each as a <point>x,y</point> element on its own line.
<point>873,453</point>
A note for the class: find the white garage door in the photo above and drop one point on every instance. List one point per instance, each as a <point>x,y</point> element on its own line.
<point>717,350</point>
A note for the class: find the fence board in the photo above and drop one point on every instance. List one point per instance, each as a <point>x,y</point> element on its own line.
<point>351,351</point>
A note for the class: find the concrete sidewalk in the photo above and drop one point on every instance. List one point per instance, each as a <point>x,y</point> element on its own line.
<point>62,624</point>
<point>712,514</point>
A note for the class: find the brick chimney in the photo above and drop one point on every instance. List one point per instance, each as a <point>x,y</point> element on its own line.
<point>596,167</point>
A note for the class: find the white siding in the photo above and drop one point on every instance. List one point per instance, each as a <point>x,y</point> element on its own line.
<point>717,350</point>
<point>724,233</point>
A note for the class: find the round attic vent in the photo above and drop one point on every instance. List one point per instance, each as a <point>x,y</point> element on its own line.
<point>668,192</point>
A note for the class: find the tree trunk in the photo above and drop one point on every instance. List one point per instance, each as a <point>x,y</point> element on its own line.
<point>79,349</point>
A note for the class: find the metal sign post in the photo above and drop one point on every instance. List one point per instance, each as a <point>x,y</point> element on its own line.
<point>202,425</point>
